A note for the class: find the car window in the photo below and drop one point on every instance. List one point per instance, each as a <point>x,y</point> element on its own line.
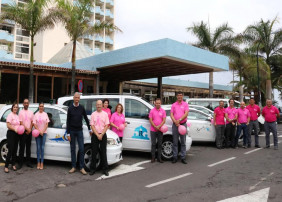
<point>6,113</point>
<point>33,109</point>
<point>236,104</point>
<point>136,109</point>
<point>193,115</point>
<point>57,118</point>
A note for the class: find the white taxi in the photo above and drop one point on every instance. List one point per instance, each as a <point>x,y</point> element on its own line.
<point>136,110</point>
<point>57,146</point>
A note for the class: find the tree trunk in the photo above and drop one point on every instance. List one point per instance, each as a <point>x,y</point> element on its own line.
<point>73,67</point>
<point>268,89</point>
<point>31,84</point>
<point>211,84</point>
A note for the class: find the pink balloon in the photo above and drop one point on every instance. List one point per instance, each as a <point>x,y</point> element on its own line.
<point>164,129</point>
<point>20,130</point>
<point>212,121</point>
<point>35,133</point>
<point>121,127</point>
<point>182,130</point>
<point>188,124</point>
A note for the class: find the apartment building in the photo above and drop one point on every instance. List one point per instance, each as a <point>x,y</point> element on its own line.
<point>15,42</point>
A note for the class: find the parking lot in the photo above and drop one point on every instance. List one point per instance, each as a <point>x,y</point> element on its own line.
<point>211,175</point>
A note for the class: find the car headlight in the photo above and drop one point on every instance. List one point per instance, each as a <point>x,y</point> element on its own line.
<point>111,141</point>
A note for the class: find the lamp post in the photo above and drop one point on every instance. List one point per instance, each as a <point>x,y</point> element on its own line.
<point>259,97</point>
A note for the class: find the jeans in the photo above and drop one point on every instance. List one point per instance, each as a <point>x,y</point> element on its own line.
<point>80,140</point>
<point>243,127</point>
<point>175,137</point>
<point>270,126</point>
<point>25,143</point>
<point>219,135</point>
<point>12,139</point>
<point>253,125</point>
<point>96,144</point>
<point>230,130</point>
<point>158,135</point>
<point>40,144</point>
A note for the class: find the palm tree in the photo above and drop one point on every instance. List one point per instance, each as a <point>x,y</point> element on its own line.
<point>34,17</point>
<point>220,41</point>
<point>76,18</point>
<point>262,38</point>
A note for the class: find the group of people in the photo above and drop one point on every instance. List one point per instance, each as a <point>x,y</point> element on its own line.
<point>230,122</point>
<point>28,120</point>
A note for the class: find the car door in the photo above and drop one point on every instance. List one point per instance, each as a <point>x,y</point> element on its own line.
<point>57,146</point>
<point>3,124</point>
<point>137,133</point>
<point>201,128</point>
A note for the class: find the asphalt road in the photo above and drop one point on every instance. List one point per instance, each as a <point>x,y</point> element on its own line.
<point>210,175</point>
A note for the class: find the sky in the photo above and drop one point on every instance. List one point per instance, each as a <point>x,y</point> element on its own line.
<point>147,20</point>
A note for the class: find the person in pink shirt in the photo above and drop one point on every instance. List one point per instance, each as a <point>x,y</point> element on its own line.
<point>230,128</point>
<point>117,119</point>
<point>99,124</point>
<point>13,122</point>
<point>219,124</point>
<point>106,108</point>
<point>253,125</point>
<point>40,122</point>
<point>270,114</point>
<point>157,117</point>
<point>179,113</point>
<point>26,118</point>
<point>242,124</point>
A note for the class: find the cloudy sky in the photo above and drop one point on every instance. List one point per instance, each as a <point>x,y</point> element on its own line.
<point>147,20</point>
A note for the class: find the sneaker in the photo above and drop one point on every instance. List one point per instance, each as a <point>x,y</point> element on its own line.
<point>244,146</point>
<point>249,146</point>
<point>257,146</point>
<point>174,160</point>
<point>267,147</point>
<point>72,170</point>
<point>83,171</point>
<point>275,147</point>
<point>184,161</point>
<point>92,172</point>
<point>106,172</point>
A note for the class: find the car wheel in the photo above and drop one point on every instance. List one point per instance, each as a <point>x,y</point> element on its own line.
<point>4,150</point>
<point>167,148</point>
<point>88,156</point>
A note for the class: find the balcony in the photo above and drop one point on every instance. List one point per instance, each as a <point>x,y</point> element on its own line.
<point>5,54</point>
<point>6,36</point>
<point>100,39</point>
<point>109,40</point>
<point>98,10</point>
<point>110,2</point>
<point>89,37</point>
<point>109,13</point>
<point>97,51</point>
<point>7,2</point>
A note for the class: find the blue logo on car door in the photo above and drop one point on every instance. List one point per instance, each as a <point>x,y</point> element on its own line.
<point>140,133</point>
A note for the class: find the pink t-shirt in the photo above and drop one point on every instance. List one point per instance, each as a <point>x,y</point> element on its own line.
<point>13,119</point>
<point>269,113</point>
<point>157,116</point>
<point>117,119</point>
<point>99,120</point>
<point>219,115</point>
<point>26,116</point>
<point>179,109</point>
<point>243,115</point>
<point>41,119</point>
<point>231,113</point>
<point>254,110</point>
<point>108,111</point>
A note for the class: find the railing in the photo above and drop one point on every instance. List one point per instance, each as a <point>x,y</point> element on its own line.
<point>99,38</point>
<point>109,40</point>
<point>5,54</point>
<point>97,51</point>
<point>7,2</point>
<point>6,36</point>
<point>109,13</point>
<point>111,2</point>
<point>98,10</point>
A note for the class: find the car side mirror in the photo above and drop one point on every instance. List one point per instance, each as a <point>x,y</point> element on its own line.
<point>64,126</point>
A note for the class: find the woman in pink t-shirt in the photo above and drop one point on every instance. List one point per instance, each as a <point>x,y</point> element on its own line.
<point>117,119</point>
<point>13,122</point>
<point>105,108</point>
<point>40,121</point>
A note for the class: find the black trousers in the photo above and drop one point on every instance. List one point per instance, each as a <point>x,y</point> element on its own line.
<point>230,130</point>
<point>97,145</point>
<point>12,138</point>
<point>25,143</point>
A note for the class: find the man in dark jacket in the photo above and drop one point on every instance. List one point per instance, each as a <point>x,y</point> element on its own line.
<point>74,130</point>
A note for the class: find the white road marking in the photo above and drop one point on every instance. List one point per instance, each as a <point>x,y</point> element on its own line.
<point>140,163</point>
<point>257,196</point>
<point>261,180</point>
<point>214,164</point>
<point>168,180</point>
<point>280,136</point>
<point>254,150</point>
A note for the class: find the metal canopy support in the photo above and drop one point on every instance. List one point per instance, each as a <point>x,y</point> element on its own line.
<point>160,88</point>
